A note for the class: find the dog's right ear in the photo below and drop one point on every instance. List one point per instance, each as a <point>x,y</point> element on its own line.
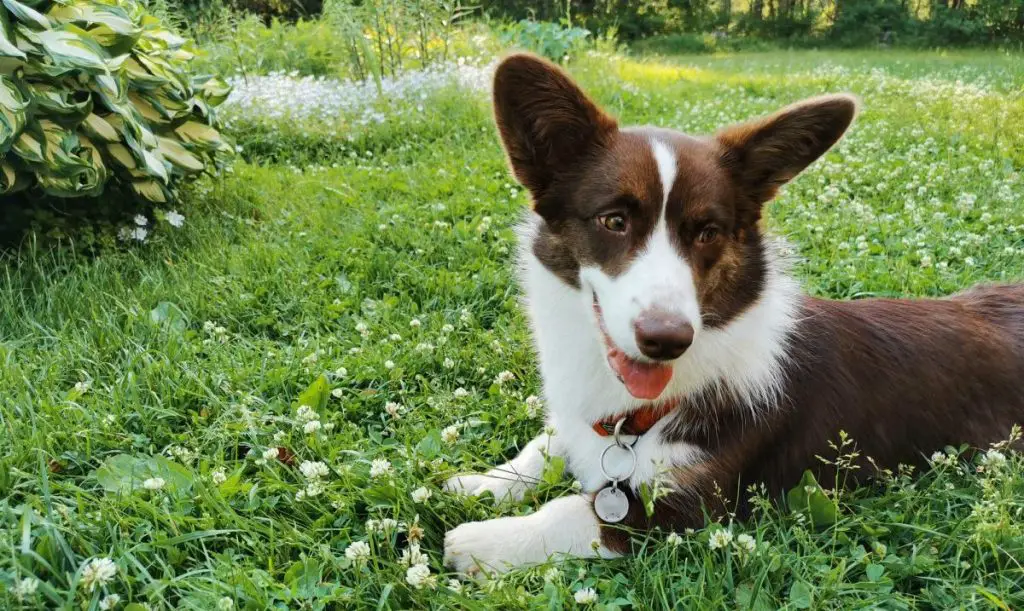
<point>547,124</point>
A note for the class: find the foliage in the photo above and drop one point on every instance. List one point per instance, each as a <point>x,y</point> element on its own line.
<point>99,99</point>
<point>315,257</point>
<point>548,39</point>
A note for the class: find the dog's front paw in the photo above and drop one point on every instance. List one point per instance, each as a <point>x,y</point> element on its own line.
<point>481,546</point>
<point>503,486</point>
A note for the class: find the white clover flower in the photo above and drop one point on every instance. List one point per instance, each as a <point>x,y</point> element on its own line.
<point>139,234</point>
<point>174,218</point>
<point>412,556</point>
<point>362,329</point>
<point>448,363</point>
<point>313,469</point>
<point>414,323</point>
<point>225,604</point>
<point>82,387</point>
<point>504,376</point>
<point>109,602</point>
<point>674,539</point>
<point>447,328</point>
<point>312,427</point>
<point>455,586</point>
<point>388,524</point>
<point>553,575</point>
<point>393,409</point>
<point>305,413</point>
<point>450,434</point>
<point>419,577</point>
<point>460,392</point>
<point>271,454</point>
<point>994,460</point>
<point>140,220</point>
<point>421,494</point>
<point>217,476</point>
<point>98,572</point>
<point>358,551</point>
<point>745,544</point>
<point>154,483</point>
<point>26,588</point>
<point>341,372</point>
<point>380,467</point>
<point>338,393</point>
<point>585,596</point>
<point>721,538</point>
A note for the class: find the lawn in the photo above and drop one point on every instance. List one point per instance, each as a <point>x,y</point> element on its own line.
<point>257,410</point>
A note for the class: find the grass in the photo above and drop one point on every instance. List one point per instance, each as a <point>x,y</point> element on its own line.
<point>348,268</point>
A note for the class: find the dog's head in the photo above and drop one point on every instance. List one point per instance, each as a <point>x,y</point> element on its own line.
<point>657,228</point>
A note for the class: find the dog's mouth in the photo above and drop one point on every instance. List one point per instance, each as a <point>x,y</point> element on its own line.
<point>643,380</point>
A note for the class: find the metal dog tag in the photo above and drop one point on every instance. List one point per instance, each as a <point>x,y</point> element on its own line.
<point>611,504</point>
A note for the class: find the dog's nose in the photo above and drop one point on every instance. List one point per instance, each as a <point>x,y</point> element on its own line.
<point>662,335</point>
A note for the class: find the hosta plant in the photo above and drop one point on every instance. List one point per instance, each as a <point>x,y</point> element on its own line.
<point>98,97</point>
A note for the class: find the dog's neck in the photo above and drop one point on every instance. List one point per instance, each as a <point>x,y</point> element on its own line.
<point>744,358</point>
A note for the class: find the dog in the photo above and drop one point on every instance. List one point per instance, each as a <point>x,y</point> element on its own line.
<point>675,350</point>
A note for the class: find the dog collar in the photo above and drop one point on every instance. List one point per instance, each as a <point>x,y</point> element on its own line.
<point>636,422</point>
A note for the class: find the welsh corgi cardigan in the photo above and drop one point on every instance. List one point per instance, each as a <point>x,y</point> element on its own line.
<point>658,306</point>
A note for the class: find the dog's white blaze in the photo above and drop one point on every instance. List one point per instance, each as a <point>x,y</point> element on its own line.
<point>565,526</point>
<point>666,169</point>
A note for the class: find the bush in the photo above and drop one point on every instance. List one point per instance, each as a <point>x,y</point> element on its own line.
<point>99,99</point>
<point>551,40</point>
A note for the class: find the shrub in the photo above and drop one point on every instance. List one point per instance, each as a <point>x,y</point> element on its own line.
<point>100,99</point>
<point>549,39</point>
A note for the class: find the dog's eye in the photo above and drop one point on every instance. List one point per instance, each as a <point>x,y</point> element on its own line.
<point>615,223</point>
<point>708,235</point>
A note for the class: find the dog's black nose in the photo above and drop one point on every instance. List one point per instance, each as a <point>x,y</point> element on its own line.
<point>662,335</point>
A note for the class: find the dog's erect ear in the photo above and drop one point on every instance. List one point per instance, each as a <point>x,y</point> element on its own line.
<point>547,123</point>
<point>765,154</point>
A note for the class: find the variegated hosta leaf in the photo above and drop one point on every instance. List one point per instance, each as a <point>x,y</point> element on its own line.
<point>194,132</point>
<point>11,180</point>
<point>28,147</point>
<point>214,90</point>
<point>72,47</point>
<point>27,15</point>
<point>110,26</point>
<point>12,113</point>
<point>97,128</point>
<point>179,156</point>
<point>150,190</point>
<point>56,101</point>
<point>8,46</point>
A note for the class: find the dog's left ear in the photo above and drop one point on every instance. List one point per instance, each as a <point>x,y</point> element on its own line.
<point>765,154</point>
<point>547,124</point>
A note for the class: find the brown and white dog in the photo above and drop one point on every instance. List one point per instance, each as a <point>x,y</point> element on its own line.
<point>654,296</point>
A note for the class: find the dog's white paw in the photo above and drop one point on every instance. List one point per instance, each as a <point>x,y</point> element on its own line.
<point>476,547</point>
<point>475,484</point>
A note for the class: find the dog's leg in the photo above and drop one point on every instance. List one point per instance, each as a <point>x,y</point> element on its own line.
<point>565,526</point>
<point>512,479</point>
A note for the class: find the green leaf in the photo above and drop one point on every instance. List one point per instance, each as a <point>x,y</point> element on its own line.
<point>808,497</point>
<point>747,598</point>
<point>12,113</point>
<point>197,133</point>
<point>170,315</point>
<point>7,46</point>
<point>874,571</point>
<point>179,156</point>
<point>99,129</point>
<point>27,14</point>
<point>430,445</point>
<point>316,395</point>
<point>150,190</point>
<point>303,577</point>
<point>123,473</point>
<point>71,47</point>
<point>554,468</point>
<point>800,595</point>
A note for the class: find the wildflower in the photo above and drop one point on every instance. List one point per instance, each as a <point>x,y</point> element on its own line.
<point>674,539</point>
<point>455,586</point>
<point>994,460</point>
<point>393,409</point>
<point>174,218</point>
<point>82,387</point>
<point>504,376</point>
<point>98,572</point>
<point>271,454</point>
<point>109,602</point>
<point>357,551</point>
<point>553,575</point>
<point>312,427</point>
<point>745,544</point>
<point>140,220</point>
<point>879,548</point>
<point>225,604</point>
<point>419,577</point>
<point>380,467</point>
<point>388,524</point>
<point>586,596</point>
<point>337,393</point>
<point>421,494</point>
<point>341,372</point>
<point>154,483</point>
<point>414,323</point>
<point>460,392</point>
<point>412,556</point>
<point>533,405</point>
<point>941,458</point>
<point>218,477</point>
<point>450,434</point>
<point>415,532</point>
<point>139,234</point>
<point>313,469</point>
<point>389,364</point>
<point>362,329</point>
<point>448,363</point>
<point>305,413</point>
<point>25,588</point>
<point>721,538</point>
<point>447,329</point>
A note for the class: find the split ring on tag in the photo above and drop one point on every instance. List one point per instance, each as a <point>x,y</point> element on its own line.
<point>632,465</point>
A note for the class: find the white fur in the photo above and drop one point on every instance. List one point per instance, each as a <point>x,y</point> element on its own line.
<point>510,480</point>
<point>565,526</point>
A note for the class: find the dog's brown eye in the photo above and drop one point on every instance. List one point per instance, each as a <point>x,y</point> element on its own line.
<point>613,222</point>
<point>708,235</point>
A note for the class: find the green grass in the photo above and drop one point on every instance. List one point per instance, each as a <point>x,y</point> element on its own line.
<point>205,338</point>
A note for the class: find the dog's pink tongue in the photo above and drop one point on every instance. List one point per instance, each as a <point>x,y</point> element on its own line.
<point>642,380</point>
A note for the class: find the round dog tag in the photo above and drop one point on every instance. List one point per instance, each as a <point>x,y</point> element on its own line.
<point>611,504</point>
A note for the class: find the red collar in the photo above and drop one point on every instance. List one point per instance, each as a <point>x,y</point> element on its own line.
<point>636,422</point>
